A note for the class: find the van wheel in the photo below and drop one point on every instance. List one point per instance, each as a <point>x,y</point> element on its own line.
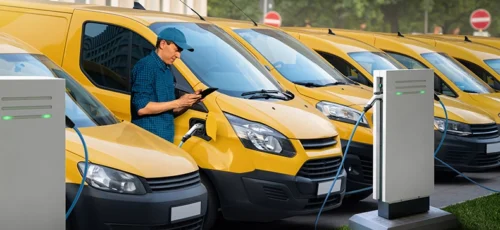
<point>356,197</point>
<point>213,204</point>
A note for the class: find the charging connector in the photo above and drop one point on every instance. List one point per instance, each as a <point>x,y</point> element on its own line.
<point>190,132</point>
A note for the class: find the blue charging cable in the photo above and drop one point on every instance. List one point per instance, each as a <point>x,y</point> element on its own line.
<point>84,177</point>
<point>447,165</point>
<point>369,188</point>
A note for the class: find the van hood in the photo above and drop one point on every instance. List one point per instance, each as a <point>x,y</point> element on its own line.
<point>131,149</point>
<point>461,112</point>
<point>347,95</point>
<point>490,103</point>
<point>296,119</point>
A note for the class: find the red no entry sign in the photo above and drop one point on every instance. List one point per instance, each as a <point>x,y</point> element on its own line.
<point>480,19</point>
<point>272,18</point>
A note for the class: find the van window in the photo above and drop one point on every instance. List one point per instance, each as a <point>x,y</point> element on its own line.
<point>372,61</point>
<point>481,73</point>
<point>220,61</point>
<point>439,85</point>
<point>345,68</point>
<point>295,61</point>
<point>108,53</point>
<point>457,73</point>
<point>81,107</point>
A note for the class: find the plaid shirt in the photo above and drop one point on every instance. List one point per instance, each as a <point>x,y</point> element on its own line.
<point>152,81</point>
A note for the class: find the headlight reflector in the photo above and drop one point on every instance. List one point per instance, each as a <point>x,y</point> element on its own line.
<point>261,137</point>
<point>341,113</point>
<point>112,180</point>
<point>454,128</point>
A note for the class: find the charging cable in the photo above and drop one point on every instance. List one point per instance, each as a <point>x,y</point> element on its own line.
<point>190,133</point>
<point>447,165</point>
<point>70,124</point>
<point>367,107</point>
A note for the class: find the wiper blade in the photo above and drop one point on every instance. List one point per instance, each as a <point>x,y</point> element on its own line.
<point>309,84</point>
<point>336,83</point>
<point>469,91</point>
<point>260,91</point>
<point>267,96</point>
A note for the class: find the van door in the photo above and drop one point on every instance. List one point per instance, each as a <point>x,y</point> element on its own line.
<point>101,54</point>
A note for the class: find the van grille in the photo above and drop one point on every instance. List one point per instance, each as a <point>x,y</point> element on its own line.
<point>192,224</point>
<point>173,183</point>
<point>318,143</point>
<point>318,169</point>
<point>485,131</point>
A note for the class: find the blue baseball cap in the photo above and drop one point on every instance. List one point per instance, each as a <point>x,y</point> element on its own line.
<point>176,36</point>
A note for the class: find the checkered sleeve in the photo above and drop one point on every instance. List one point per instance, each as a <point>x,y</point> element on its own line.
<point>142,87</point>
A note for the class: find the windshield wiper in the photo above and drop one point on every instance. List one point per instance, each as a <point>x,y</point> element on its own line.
<point>311,84</point>
<point>260,91</point>
<point>267,96</point>
<point>469,91</point>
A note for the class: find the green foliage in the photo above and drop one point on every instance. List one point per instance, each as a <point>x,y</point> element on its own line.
<point>406,16</point>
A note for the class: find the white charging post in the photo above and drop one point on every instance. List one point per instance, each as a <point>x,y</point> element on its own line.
<point>403,154</point>
<point>32,153</point>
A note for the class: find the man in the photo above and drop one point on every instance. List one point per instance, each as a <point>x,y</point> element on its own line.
<point>153,103</point>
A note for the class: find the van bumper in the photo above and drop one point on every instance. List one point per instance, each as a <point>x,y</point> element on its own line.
<point>466,154</point>
<point>98,209</point>
<point>262,196</point>
<point>358,165</point>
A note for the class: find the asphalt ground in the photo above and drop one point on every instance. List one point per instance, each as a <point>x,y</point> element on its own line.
<point>446,192</point>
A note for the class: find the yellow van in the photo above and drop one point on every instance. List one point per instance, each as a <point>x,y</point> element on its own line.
<point>309,76</point>
<point>264,154</point>
<point>451,78</point>
<point>360,60</point>
<point>135,179</point>
<point>482,60</point>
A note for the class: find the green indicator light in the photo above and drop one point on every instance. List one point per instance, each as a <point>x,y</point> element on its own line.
<point>422,91</point>
<point>7,118</point>
<point>46,116</point>
<point>399,93</point>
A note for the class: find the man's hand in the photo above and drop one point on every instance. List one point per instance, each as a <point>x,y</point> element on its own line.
<point>188,100</point>
<point>198,92</point>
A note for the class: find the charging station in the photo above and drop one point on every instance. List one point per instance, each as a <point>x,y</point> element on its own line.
<point>32,147</point>
<point>403,154</point>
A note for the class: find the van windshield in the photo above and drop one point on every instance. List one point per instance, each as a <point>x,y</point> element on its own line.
<point>372,61</point>
<point>81,107</point>
<point>219,61</point>
<point>291,58</point>
<point>494,64</point>
<point>457,74</point>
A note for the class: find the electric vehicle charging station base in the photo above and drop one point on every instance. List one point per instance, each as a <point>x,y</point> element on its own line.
<point>32,153</point>
<point>403,154</point>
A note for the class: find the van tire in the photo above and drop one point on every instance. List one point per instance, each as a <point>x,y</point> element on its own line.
<point>212,214</point>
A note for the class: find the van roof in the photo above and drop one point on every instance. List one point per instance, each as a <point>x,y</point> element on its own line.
<point>11,44</point>
<point>145,17</point>
<point>480,51</point>
<point>344,44</point>
<point>238,24</point>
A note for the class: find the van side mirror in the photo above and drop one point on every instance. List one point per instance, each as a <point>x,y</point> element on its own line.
<point>211,126</point>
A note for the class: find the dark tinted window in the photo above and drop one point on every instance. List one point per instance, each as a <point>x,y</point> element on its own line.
<point>106,55</point>
<point>346,68</point>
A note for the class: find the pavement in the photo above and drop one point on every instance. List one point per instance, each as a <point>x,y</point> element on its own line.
<point>446,193</point>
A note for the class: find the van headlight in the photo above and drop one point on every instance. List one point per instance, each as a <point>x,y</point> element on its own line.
<point>341,113</point>
<point>261,137</point>
<point>454,128</point>
<point>112,180</point>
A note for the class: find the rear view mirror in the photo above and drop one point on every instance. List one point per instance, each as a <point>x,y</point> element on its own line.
<point>211,126</point>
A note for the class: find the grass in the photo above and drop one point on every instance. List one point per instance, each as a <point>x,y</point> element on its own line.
<point>482,213</point>
<point>478,214</point>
